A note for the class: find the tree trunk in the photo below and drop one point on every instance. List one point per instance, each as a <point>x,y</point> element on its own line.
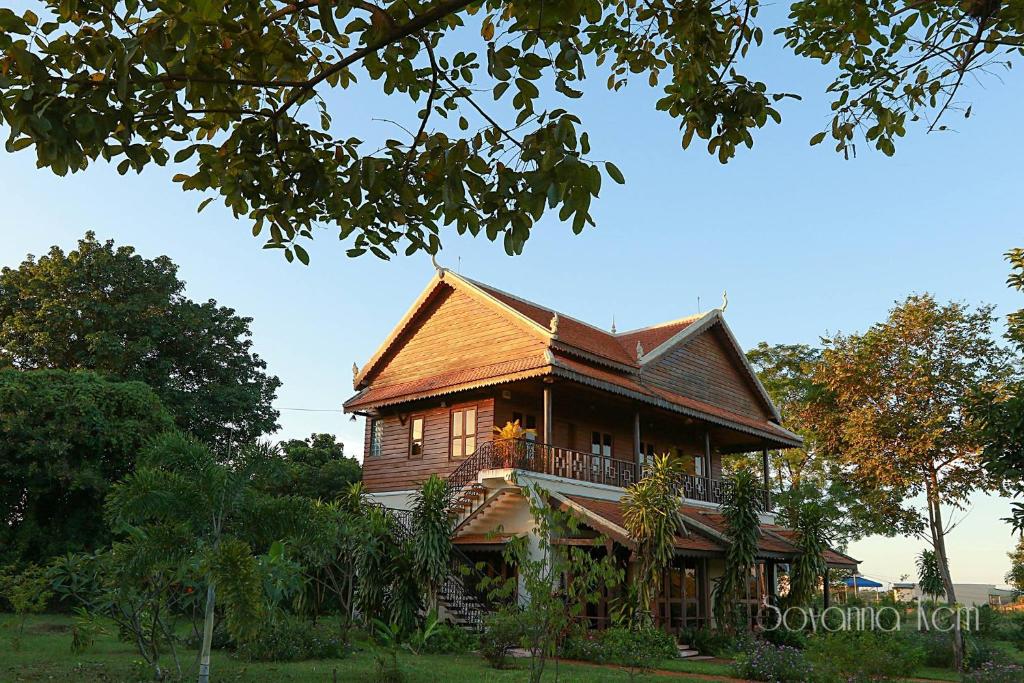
<point>942,560</point>
<point>204,654</point>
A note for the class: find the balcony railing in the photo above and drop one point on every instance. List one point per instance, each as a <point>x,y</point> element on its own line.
<point>578,465</point>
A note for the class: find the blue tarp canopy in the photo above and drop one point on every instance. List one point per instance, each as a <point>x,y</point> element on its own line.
<point>862,582</point>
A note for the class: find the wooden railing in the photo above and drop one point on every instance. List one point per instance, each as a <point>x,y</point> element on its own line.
<point>572,464</point>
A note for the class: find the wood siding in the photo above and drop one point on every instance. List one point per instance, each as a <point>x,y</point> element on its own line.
<point>394,470</point>
<point>704,368</point>
<point>456,331</point>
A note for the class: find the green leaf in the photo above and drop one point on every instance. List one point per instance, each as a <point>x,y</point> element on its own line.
<point>817,139</point>
<point>614,173</point>
<point>324,7</point>
<point>301,253</point>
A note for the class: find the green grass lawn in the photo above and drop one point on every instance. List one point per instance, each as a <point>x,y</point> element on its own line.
<point>45,655</point>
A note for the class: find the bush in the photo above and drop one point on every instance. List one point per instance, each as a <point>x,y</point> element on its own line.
<point>937,647</point>
<point>995,673</point>
<point>785,636</point>
<point>637,648</point>
<point>979,651</point>
<point>290,638</point>
<point>450,640</point>
<point>762,661</point>
<point>711,642</point>
<point>584,644</point>
<point>863,656</point>
<point>501,634</point>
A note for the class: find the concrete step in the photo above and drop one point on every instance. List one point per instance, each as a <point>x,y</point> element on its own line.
<point>686,654</point>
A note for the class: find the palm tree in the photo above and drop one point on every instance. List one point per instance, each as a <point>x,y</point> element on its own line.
<point>650,510</point>
<point>809,565</point>
<point>432,536</point>
<point>741,508</point>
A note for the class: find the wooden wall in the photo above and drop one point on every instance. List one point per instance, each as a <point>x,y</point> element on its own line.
<point>394,470</point>
<point>456,331</point>
<point>703,368</point>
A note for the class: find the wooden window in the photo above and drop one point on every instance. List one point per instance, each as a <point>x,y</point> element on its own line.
<point>376,436</point>
<point>416,437</point>
<point>601,444</point>
<point>463,431</point>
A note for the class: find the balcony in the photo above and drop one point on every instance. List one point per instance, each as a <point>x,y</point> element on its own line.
<point>581,466</point>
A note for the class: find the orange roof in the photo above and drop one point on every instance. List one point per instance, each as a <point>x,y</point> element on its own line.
<point>833,558</point>
<point>612,512</point>
<point>652,337</point>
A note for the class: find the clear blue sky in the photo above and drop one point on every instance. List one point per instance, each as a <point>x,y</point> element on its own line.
<point>804,242</point>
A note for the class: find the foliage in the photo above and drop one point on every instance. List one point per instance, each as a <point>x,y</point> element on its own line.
<point>995,673</point>
<point>1000,410</point>
<point>741,509</point>
<point>389,638</point>
<point>109,310</point>
<point>898,414</point>
<point>508,439</point>
<point>928,576</point>
<point>554,584</point>
<point>784,636</point>
<point>762,661</point>
<point>291,638</point>
<point>650,513</point>
<point>27,590</point>
<point>863,656</point>
<point>446,639</point>
<point>182,493</point>
<point>389,588</point>
<point>432,532</point>
<point>714,642</point>
<point>809,566</point>
<point>315,468</point>
<point>500,636</point>
<point>65,437</point>
<point>136,83</point>
<point>1015,577</point>
<point>638,649</point>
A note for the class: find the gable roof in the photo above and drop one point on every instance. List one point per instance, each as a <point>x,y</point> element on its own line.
<point>570,348</point>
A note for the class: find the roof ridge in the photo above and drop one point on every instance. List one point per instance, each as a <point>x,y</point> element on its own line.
<point>687,318</point>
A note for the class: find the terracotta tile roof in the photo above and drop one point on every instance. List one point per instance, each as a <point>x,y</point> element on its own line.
<point>833,558</point>
<point>612,511</point>
<point>653,337</point>
<point>456,380</point>
<point>767,543</point>
<point>571,332</point>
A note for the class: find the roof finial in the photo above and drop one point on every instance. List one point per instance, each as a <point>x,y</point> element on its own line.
<point>355,372</point>
<point>725,300</point>
<point>554,325</point>
<point>639,350</point>
<point>613,323</point>
<point>440,269</point>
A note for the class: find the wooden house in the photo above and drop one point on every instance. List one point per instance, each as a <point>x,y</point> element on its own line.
<point>598,404</point>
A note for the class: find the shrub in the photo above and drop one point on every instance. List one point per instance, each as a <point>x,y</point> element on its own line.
<point>583,643</point>
<point>290,638</point>
<point>762,661</point>
<point>450,640</point>
<point>979,651</point>
<point>863,656</point>
<point>937,647</point>
<point>785,636</point>
<point>501,634</point>
<point>711,642</point>
<point>637,648</point>
<point>995,673</point>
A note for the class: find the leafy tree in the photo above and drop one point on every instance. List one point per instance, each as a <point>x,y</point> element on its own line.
<point>929,577</point>
<point>180,490</point>
<point>1015,577</point>
<point>432,537</point>
<point>650,513</point>
<point>244,92</point>
<point>65,437</point>
<point>898,413</point>
<point>741,509</point>
<point>1001,410</point>
<point>27,590</point>
<point>315,468</point>
<point>107,309</point>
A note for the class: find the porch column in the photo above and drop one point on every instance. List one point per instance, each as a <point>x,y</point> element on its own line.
<point>636,445</point>
<point>548,426</point>
<point>707,466</point>
<point>826,593</point>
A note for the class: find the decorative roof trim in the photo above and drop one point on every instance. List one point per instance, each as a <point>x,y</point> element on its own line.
<point>667,323</point>
<point>691,330</point>
<point>562,347</point>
